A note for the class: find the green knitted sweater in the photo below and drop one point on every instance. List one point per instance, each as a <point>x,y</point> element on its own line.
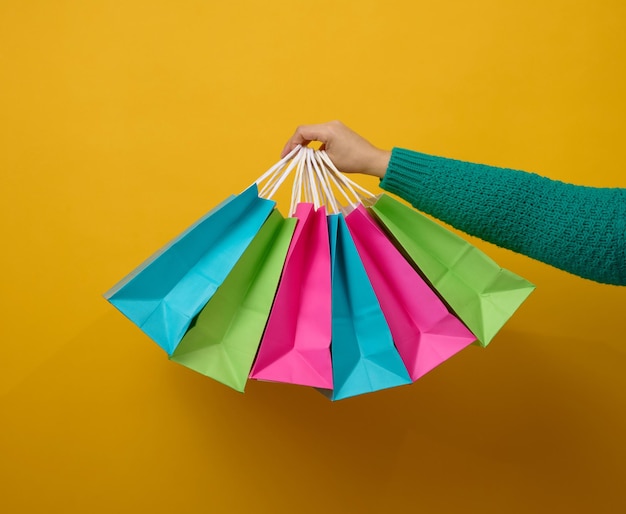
<point>578,229</point>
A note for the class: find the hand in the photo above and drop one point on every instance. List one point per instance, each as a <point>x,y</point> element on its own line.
<point>350,152</point>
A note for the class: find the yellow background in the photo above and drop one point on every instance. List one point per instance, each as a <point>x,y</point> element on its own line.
<point>122,122</point>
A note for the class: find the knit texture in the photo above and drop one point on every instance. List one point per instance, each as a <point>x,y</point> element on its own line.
<point>579,229</point>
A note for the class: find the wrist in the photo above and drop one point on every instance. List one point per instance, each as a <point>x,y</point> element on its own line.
<point>379,163</point>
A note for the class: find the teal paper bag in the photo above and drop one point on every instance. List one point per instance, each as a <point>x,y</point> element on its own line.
<point>480,292</point>
<point>164,294</point>
<point>364,356</point>
<point>223,339</point>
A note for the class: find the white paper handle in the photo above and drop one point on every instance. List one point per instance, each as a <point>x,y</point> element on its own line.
<point>277,174</point>
<point>320,179</point>
<point>359,191</point>
<point>317,180</point>
<point>296,190</point>
<point>279,164</point>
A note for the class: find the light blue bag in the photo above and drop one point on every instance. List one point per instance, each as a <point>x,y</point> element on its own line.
<point>364,356</point>
<point>163,294</point>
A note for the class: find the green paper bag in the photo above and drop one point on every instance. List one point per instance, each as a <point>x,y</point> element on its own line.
<point>223,339</point>
<point>482,294</point>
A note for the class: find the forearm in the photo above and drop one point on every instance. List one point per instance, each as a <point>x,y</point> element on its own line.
<point>575,228</point>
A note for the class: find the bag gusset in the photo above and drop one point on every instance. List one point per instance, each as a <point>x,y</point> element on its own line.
<point>168,290</point>
<point>477,289</point>
<point>223,339</point>
<point>295,347</point>
<point>425,332</point>
<point>365,358</point>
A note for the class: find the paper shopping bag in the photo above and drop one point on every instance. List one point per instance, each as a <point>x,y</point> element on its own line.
<point>164,294</point>
<point>480,292</point>
<point>363,353</point>
<point>296,345</point>
<point>423,329</point>
<point>223,339</point>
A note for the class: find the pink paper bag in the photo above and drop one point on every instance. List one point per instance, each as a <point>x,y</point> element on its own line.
<point>296,344</point>
<point>423,329</point>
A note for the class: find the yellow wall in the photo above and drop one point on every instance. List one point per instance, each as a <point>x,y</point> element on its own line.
<point>122,122</point>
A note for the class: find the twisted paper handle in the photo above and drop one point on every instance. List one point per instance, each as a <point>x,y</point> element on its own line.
<point>317,180</point>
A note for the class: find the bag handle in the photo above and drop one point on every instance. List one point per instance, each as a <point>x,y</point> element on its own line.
<point>298,183</point>
<point>357,190</point>
<point>277,174</point>
<point>279,164</point>
<point>330,177</point>
<point>317,180</point>
<point>319,177</point>
<point>310,183</point>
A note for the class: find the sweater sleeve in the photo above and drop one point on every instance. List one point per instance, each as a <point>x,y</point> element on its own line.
<point>579,229</point>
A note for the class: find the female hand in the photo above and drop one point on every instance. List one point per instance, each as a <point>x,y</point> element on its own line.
<point>350,152</point>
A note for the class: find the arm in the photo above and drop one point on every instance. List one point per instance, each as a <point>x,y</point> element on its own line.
<point>578,229</point>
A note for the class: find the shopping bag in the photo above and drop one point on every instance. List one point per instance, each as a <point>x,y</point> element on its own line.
<point>164,294</point>
<point>479,291</point>
<point>223,339</point>
<point>296,344</point>
<point>364,357</point>
<point>425,332</point>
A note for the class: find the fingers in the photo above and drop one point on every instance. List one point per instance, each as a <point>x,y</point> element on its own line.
<point>294,141</point>
<point>349,151</point>
<point>304,134</point>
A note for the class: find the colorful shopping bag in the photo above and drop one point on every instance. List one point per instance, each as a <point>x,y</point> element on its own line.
<point>364,357</point>
<point>296,345</point>
<point>480,292</point>
<point>164,294</point>
<point>223,339</point>
<point>423,329</point>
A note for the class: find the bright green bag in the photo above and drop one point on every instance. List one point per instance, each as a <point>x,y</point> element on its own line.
<point>223,339</point>
<point>481,293</point>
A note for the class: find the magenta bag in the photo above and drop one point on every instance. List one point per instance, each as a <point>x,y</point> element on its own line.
<point>296,344</point>
<point>423,329</point>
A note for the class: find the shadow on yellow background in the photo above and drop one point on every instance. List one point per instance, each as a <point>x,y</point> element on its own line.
<point>123,122</point>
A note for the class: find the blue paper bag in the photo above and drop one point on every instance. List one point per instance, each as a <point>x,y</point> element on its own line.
<point>163,294</point>
<point>364,356</point>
